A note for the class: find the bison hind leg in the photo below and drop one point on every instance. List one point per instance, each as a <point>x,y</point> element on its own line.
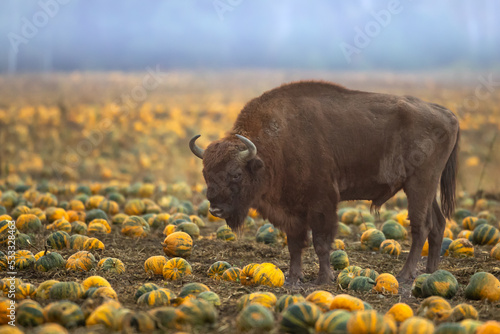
<point>324,227</point>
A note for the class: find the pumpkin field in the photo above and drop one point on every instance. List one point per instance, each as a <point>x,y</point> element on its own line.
<point>105,226</point>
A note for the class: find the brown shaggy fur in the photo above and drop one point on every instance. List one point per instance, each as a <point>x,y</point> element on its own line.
<point>319,143</point>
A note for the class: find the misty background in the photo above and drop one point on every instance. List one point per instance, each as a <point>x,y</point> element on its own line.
<point>70,35</point>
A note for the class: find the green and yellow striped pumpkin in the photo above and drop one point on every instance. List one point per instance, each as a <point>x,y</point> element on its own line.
<point>255,317</point>
<point>92,244</point>
<point>246,275</point>
<point>53,214</point>
<point>76,241</point>
<point>225,233</point>
<point>107,315</point>
<point>78,227</point>
<point>416,325</point>
<point>95,282</point>
<point>25,291</point>
<point>370,322</point>
<point>64,313</point>
<point>495,252</point>
<point>60,225</point>
<point>322,299</point>
<point>346,275</point>
<point>461,248</point>
<point>217,269</point>
<point>43,290</point>
<point>159,297</point>
<point>391,247</point>
<point>210,297</point>
<point>339,260</point>
<point>197,313</point>
<point>81,261</point>
<point>94,201</point>
<point>191,290</point>
<point>23,259</point>
<point>461,312</point>
<point>485,235</point>
<point>416,288</point>
<point>434,308</point>
<point>109,206</point>
<point>190,228</point>
<point>58,240</point>
<point>286,300</point>
<point>440,283</point>
<point>29,313</point>
<point>119,218</point>
<point>165,317</point>
<point>232,274</point>
<point>468,223</point>
<point>371,239</point>
<point>135,227</point>
<point>300,318</point>
<point>19,210</point>
<point>66,290</point>
<point>145,288</point>
<point>97,226</point>
<point>135,207</point>
<point>112,265</point>
<point>176,268</point>
<point>154,265</point>
<point>483,286</point>
<point>28,223</point>
<point>333,322</point>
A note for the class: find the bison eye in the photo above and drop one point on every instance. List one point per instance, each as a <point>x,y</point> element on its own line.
<point>237,177</point>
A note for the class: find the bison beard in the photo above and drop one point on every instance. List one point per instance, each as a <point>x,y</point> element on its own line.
<point>299,149</point>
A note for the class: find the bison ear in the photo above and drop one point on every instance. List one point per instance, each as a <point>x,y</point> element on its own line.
<point>255,165</point>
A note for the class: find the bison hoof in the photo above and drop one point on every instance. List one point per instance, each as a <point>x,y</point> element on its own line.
<point>405,277</point>
<point>324,279</point>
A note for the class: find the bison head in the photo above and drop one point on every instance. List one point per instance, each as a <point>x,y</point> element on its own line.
<point>233,173</point>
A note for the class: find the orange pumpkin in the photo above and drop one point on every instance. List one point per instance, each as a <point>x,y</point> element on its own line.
<point>178,244</point>
<point>386,283</point>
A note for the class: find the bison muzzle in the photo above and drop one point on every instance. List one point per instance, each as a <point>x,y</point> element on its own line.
<point>298,150</point>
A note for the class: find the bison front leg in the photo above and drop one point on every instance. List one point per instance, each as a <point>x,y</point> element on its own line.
<point>435,237</point>
<point>297,241</point>
<point>324,228</point>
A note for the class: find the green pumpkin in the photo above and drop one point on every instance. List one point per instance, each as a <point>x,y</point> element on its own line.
<point>197,313</point>
<point>369,273</point>
<point>339,259</point>
<point>23,240</point>
<point>165,317</point>
<point>255,317</point>
<point>361,284</point>
<point>440,283</point>
<point>225,233</point>
<point>78,227</point>
<point>267,234</point>
<point>346,275</point>
<point>416,288</point>
<point>450,328</point>
<point>445,245</point>
<point>344,230</point>
<point>300,318</point>
<point>203,208</point>
<point>210,297</point>
<point>50,261</point>
<point>95,214</point>
<point>393,230</point>
<point>460,214</point>
<point>190,228</point>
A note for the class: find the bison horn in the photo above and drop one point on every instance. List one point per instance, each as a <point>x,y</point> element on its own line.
<point>251,150</point>
<point>195,148</point>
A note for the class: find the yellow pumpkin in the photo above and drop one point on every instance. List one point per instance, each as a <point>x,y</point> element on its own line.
<point>93,244</point>
<point>400,312</point>
<point>386,283</point>
<point>106,315</point>
<point>489,327</point>
<point>105,292</point>
<point>338,244</point>
<point>178,244</point>
<point>461,248</point>
<point>154,265</point>
<point>25,291</point>
<point>95,282</point>
<point>347,302</point>
<point>322,299</point>
<point>270,275</point>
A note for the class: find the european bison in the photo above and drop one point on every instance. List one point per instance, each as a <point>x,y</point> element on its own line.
<point>299,149</point>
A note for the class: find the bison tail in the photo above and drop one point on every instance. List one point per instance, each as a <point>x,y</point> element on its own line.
<point>448,182</point>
